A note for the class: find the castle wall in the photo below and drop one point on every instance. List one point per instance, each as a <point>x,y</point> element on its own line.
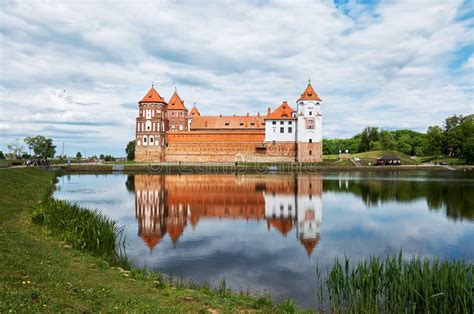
<point>226,146</point>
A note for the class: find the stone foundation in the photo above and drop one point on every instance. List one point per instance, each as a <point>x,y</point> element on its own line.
<point>310,152</point>
<point>148,153</point>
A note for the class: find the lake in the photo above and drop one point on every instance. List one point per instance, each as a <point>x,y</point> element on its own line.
<point>267,232</point>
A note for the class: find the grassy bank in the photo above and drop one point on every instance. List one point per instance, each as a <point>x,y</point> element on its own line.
<point>42,272</point>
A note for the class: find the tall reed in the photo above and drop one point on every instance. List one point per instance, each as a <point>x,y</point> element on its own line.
<point>393,285</point>
<point>84,229</point>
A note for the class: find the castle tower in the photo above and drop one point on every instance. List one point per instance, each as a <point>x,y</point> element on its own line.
<point>309,127</point>
<point>151,127</point>
<point>177,114</point>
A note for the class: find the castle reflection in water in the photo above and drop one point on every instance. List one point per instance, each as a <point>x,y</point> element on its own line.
<point>167,204</point>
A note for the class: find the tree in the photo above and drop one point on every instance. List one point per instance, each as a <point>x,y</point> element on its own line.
<point>16,149</point>
<point>453,136</point>
<point>109,158</point>
<point>130,150</point>
<point>368,136</point>
<point>42,147</point>
<point>434,141</point>
<point>78,156</point>
<point>387,141</point>
<point>2,156</point>
<point>102,157</point>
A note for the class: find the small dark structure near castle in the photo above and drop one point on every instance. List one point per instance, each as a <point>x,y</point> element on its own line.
<point>389,161</point>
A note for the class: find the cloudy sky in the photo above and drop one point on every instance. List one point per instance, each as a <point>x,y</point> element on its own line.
<point>75,70</point>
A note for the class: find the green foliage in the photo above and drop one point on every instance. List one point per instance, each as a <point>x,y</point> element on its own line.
<point>397,286</point>
<point>109,158</point>
<point>434,141</point>
<point>2,156</point>
<point>455,139</point>
<point>78,156</point>
<point>387,140</point>
<point>15,149</point>
<point>80,227</point>
<point>333,146</point>
<point>368,137</point>
<point>130,150</point>
<point>42,147</point>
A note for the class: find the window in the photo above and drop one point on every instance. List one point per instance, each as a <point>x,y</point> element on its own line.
<point>144,139</point>
<point>290,122</point>
<point>151,139</point>
<point>310,153</point>
<point>290,130</point>
<point>227,124</point>
<point>252,123</point>
<point>311,140</point>
<point>310,113</point>
<point>274,122</point>
<point>282,122</point>
<point>241,123</point>
<point>282,130</point>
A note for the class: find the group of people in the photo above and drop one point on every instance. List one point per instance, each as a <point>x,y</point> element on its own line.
<point>37,162</point>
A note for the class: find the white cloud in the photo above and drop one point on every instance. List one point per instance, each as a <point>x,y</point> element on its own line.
<point>387,64</point>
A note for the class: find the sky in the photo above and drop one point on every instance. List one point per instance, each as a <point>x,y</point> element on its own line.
<point>75,70</point>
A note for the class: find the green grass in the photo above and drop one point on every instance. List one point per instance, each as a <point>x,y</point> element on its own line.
<point>373,155</point>
<point>42,272</point>
<point>83,229</point>
<point>393,285</point>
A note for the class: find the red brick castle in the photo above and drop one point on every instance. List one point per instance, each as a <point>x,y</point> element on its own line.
<point>167,131</point>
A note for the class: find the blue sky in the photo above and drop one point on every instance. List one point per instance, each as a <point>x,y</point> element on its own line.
<point>74,71</point>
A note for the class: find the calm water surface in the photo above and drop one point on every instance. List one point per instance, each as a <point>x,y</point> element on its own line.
<point>267,232</point>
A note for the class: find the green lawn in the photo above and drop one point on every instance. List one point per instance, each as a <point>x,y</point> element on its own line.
<point>40,273</point>
<point>372,157</point>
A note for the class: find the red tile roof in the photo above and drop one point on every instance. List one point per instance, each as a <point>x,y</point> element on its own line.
<point>284,112</point>
<point>152,96</point>
<point>176,103</point>
<point>309,94</point>
<point>227,122</point>
<point>194,112</point>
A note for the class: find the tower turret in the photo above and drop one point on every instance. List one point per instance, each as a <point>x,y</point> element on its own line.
<point>151,127</point>
<point>309,126</point>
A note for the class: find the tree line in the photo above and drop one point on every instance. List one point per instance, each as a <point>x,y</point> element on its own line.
<point>454,138</point>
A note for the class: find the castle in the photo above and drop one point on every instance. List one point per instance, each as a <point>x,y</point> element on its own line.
<point>166,131</point>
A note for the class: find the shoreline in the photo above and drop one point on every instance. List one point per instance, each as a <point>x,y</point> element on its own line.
<point>249,168</point>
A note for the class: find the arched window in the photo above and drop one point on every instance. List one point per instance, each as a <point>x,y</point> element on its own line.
<point>144,140</point>
<point>151,139</point>
<point>310,152</point>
